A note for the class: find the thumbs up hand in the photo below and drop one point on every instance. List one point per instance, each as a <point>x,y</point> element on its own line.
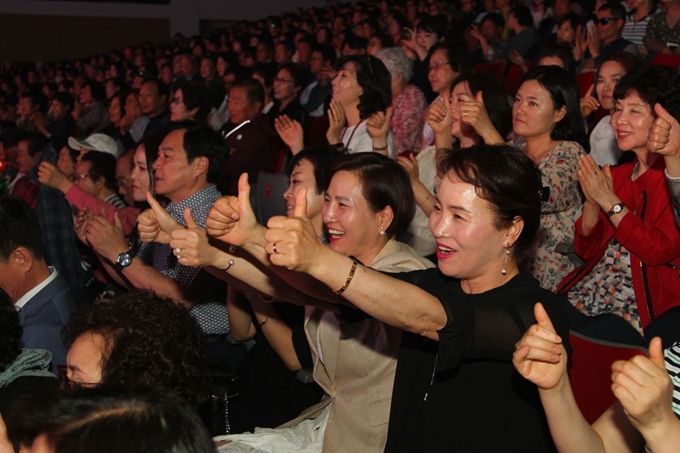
<point>292,242</point>
<point>232,219</point>
<point>191,244</point>
<point>645,391</point>
<point>540,356</point>
<point>156,224</point>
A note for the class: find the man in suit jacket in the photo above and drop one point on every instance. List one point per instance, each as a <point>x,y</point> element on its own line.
<point>39,293</point>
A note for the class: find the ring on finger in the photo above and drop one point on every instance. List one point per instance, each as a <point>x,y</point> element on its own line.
<point>178,251</point>
<point>594,173</point>
<point>274,248</point>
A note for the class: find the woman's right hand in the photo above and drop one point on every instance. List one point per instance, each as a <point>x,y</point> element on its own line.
<point>336,119</point>
<point>290,132</point>
<point>474,113</point>
<point>232,219</point>
<point>410,164</point>
<point>588,103</point>
<point>540,356</point>
<point>439,117</point>
<point>580,42</point>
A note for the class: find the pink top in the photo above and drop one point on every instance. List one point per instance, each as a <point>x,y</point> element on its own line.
<point>408,119</point>
<point>81,199</point>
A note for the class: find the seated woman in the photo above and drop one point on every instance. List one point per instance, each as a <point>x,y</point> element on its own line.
<point>138,339</point>
<point>627,234</point>
<point>289,81</point>
<point>493,114</point>
<point>454,377</point>
<point>445,63</point>
<point>603,146</point>
<point>190,102</point>
<point>361,90</point>
<point>646,410</point>
<point>548,55</point>
<point>408,102</point>
<point>368,203</point>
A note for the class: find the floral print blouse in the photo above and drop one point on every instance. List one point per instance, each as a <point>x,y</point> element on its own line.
<point>559,170</point>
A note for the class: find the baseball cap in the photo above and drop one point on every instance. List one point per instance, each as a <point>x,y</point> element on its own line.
<point>96,142</point>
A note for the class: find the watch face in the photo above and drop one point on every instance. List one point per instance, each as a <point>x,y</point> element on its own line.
<point>124,259</point>
<point>618,208</point>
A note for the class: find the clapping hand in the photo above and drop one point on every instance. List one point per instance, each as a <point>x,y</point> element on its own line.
<point>290,132</point>
<point>336,119</point>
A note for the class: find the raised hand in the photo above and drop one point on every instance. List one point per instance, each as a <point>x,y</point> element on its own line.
<point>664,136</point>
<point>290,132</point>
<point>106,238</point>
<point>378,127</point>
<point>439,117</point>
<point>645,390</point>
<point>156,224</point>
<point>191,244</point>
<point>336,119</point>
<point>588,103</point>
<point>410,164</point>
<point>474,113</point>
<point>292,242</point>
<point>580,42</point>
<point>516,58</point>
<point>540,356</point>
<point>232,219</point>
<point>51,176</point>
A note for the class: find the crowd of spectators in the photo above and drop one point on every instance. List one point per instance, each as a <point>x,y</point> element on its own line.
<point>472,151</point>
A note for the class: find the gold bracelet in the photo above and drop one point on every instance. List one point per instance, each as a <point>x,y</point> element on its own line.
<point>349,277</point>
<point>231,263</point>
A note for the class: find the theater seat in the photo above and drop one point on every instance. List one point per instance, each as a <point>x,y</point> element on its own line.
<point>513,79</point>
<point>590,372</point>
<point>495,69</point>
<point>270,189</point>
<point>662,59</point>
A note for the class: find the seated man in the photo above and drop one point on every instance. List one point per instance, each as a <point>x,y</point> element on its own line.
<point>490,47</point>
<point>39,293</point>
<point>611,17</point>
<point>525,37</point>
<point>189,162</point>
<point>28,153</point>
<point>252,147</point>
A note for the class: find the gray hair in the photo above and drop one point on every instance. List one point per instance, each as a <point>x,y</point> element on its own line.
<point>397,62</point>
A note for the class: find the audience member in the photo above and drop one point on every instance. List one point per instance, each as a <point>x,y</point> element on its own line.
<point>251,147</point>
<point>28,153</point>
<point>91,114</point>
<point>408,102</point>
<point>490,48</point>
<point>525,36</point>
<point>37,291</point>
<point>610,20</point>
<point>663,34</point>
<point>626,206</point>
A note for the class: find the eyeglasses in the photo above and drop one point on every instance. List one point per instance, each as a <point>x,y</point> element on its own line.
<point>77,177</point>
<point>280,80</point>
<point>604,20</point>
<point>434,67</point>
<point>68,384</point>
<point>177,101</point>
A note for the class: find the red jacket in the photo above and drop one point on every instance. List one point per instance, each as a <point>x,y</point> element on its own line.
<point>648,231</point>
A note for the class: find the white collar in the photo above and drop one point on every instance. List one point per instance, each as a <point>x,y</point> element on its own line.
<point>29,295</point>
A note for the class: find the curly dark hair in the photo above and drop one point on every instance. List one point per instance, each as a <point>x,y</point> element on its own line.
<point>151,340</point>
<point>10,332</point>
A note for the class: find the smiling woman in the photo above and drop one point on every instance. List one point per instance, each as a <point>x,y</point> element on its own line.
<point>458,380</point>
<point>627,233</point>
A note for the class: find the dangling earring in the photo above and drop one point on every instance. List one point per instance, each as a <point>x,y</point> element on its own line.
<point>504,271</point>
<point>382,232</point>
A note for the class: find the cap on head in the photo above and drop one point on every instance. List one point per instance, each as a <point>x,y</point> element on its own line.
<point>96,142</point>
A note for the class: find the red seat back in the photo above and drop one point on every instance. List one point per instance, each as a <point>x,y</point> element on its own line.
<point>591,370</point>
<point>662,59</point>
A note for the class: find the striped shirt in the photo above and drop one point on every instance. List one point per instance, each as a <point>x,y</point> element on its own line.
<point>635,31</point>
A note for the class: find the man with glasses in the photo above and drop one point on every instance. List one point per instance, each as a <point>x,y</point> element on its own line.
<point>611,17</point>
